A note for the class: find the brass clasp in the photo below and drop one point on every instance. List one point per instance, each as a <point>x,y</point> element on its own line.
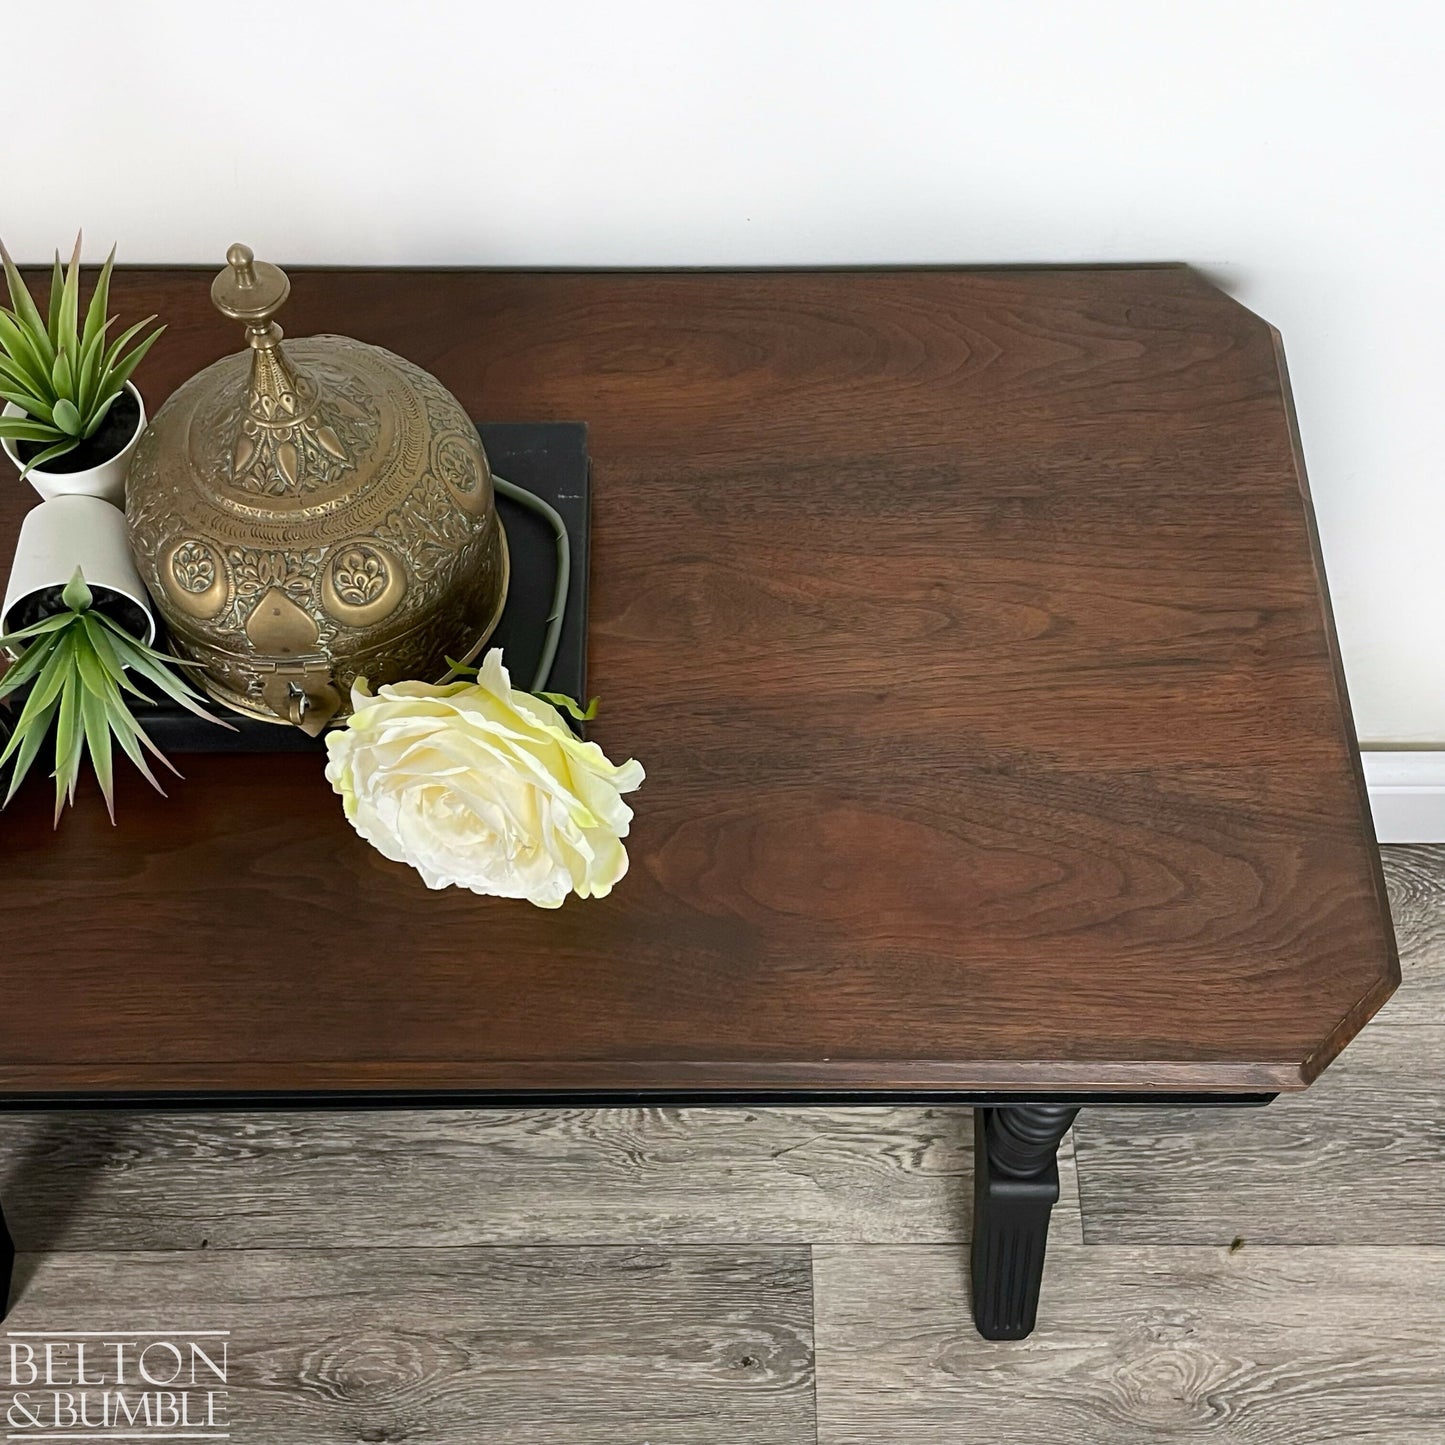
<point>301,692</point>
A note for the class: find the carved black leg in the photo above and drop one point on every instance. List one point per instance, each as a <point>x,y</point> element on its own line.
<point>1015,1187</point>
<point>7,1264</point>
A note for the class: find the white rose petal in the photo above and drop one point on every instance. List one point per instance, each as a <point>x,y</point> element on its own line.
<point>479,787</point>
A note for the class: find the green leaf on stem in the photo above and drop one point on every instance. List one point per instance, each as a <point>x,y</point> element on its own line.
<point>33,406</point>
<point>27,746</point>
<point>95,321</point>
<point>569,705</point>
<point>25,308</point>
<point>62,374</point>
<point>89,381</point>
<point>69,737</point>
<point>57,284</point>
<point>121,372</point>
<point>67,341</point>
<point>67,418</point>
<point>48,455</point>
<point>53,623</point>
<point>100,639</point>
<point>19,673</point>
<point>22,378</point>
<point>95,719</point>
<point>45,693</point>
<point>130,735</point>
<point>25,351</point>
<point>23,429</point>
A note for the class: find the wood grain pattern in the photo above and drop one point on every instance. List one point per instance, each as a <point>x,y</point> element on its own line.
<point>104,1180</point>
<point>967,623</point>
<point>688,1347</point>
<point>1415,878</point>
<point>1137,1346</point>
<point>1360,1158</point>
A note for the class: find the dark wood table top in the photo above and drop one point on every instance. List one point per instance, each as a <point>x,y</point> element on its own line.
<point>970,625</point>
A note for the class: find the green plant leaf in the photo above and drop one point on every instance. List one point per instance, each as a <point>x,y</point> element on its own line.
<point>138,658</point>
<point>20,378</point>
<point>100,639</point>
<point>143,738</point>
<point>48,455</point>
<point>569,705</point>
<point>31,661</point>
<point>88,383</point>
<point>53,623</point>
<point>25,308</point>
<point>113,351</point>
<point>57,285</point>
<point>130,735</point>
<point>99,303</point>
<point>25,429</point>
<point>95,720</point>
<point>67,418</point>
<point>98,414</point>
<point>76,595</point>
<point>30,718</point>
<point>89,666</point>
<point>67,342</point>
<point>62,375</point>
<point>39,708</point>
<point>69,736</point>
<point>29,744</point>
<point>32,406</point>
<point>22,350</point>
<point>48,684</point>
<point>121,372</point>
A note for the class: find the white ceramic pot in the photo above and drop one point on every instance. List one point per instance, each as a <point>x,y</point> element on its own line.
<point>107,480</point>
<point>69,532</point>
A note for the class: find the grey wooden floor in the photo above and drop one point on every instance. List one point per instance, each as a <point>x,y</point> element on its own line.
<point>787,1276</point>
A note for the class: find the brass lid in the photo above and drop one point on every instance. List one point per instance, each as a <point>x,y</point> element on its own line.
<point>309,513</point>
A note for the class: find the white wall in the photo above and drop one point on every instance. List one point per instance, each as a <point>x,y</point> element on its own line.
<point>1292,148</point>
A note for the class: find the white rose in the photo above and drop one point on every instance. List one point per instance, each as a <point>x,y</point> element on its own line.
<point>476,785</point>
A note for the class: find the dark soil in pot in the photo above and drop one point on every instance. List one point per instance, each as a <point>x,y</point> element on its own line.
<point>115,431</point>
<point>48,601</point>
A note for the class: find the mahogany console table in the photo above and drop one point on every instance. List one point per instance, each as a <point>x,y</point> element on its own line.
<point>971,627</point>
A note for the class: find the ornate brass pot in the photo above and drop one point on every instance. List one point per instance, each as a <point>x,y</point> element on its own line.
<point>309,514</point>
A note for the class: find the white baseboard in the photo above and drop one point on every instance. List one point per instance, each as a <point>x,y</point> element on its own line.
<point>1407,795</point>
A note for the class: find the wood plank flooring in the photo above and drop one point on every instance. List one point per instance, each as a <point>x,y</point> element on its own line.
<point>680,1276</point>
<point>103,1180</point>
<point>522,1344</point>
<point>1148,1343</point>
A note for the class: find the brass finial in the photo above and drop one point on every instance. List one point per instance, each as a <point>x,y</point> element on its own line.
<point>249,290</point>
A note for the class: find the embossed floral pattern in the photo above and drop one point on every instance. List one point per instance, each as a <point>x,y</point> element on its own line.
<point>255,572</point>
<point>284,447</point>
<point>359,576</point>
<point>430,529</point>
<point>194,566</point>
<point>456,464</point>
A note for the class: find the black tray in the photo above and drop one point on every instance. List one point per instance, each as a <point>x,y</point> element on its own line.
<point>548,458</point>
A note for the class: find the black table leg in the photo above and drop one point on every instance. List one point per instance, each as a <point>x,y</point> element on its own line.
<point>1015,1187</point>
<point>7,1265</point>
